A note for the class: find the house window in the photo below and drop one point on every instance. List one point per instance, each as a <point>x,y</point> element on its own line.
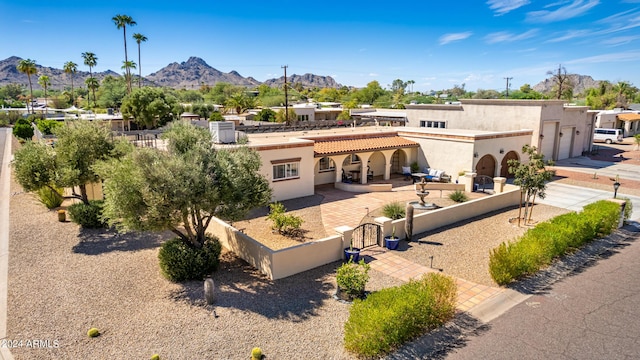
<point>433,124</point>
<point>326,164</point>
<point>286,169</point>
<point>303,117</point>
<point>355,159</point>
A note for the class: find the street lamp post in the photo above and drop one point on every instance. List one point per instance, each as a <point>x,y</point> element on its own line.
<point>616,185</point>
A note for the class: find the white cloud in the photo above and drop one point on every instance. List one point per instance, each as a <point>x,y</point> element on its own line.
<point>621,21</point>
<point>620,40</point>
<point>613,57</point>
<point>373,74</point>
<point>574,9</point>
<point>569,35</point>
<point>504,36</point>
<point>501,7</point>
<point>447,38</point>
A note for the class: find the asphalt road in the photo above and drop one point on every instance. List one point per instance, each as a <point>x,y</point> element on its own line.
<point>594,313</point>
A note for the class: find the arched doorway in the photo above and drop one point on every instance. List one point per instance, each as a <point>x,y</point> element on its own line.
<point>486,166</point>
<point>504,165</point>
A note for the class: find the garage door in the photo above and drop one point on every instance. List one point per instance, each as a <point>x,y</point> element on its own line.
<point>548,141</point>
<point>564,151</point>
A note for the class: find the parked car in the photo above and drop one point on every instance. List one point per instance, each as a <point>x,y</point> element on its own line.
<point>608,135</point>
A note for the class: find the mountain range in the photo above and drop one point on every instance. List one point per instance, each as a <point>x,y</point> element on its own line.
<point>195,72</point>
<point>190,74</point>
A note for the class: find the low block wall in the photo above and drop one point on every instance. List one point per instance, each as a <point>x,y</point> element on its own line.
<point>277,264</point>
<point>362,187</point>
<point>451,214</point>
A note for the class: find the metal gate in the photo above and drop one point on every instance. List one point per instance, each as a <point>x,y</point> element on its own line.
<point>366,235</point>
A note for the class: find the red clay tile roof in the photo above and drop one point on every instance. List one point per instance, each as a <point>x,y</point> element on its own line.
<point>629,117</point>
<point>360,145</point>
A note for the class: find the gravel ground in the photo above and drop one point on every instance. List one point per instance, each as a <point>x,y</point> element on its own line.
<point>64,280</point>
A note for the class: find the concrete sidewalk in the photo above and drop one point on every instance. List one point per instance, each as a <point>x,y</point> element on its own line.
<point>5,193</point>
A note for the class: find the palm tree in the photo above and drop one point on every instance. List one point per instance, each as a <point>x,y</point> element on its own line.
<point>122,21</point>
<point>139,38</point>
<point>91,60</point>
<point>128,65</point>
<point>28,67</point>
<point>71,68</point>
<point>44,82</point>
<point>92,84</point>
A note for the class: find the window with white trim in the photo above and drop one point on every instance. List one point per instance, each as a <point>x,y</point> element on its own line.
<point>355,159</point>
<point>286,169</point>
<point>433,124</point>
<point>326,164</point>
<point>303,117</point>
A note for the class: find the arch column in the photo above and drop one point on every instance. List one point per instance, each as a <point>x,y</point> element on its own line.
<point>364,164</point>
<point>338,160</point>
<point>388,155</point>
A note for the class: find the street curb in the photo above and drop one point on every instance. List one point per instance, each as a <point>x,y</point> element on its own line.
<point>497,305</point>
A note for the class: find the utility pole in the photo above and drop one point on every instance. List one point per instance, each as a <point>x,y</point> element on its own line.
<point>286,97</point>
<point>507,94</point>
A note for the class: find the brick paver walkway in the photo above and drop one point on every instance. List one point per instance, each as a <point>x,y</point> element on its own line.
<point>469,294</point>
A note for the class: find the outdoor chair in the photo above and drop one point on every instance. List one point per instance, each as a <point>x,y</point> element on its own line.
<point>406,171</point>
<point>369,173</point>
<point>346,178</point>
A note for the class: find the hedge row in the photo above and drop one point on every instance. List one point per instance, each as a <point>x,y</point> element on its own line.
<point>390,317</point>
<point>539,246</point>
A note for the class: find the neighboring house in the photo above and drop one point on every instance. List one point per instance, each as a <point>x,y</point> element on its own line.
<point>627,120</point>
<point>559,131</point>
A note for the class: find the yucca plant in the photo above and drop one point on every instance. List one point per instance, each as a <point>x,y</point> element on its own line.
<point>50,197</point>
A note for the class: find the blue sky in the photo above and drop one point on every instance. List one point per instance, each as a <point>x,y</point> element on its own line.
<point>435,43</point>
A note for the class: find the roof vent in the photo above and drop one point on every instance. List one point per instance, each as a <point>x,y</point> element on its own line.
<point>223,132</point>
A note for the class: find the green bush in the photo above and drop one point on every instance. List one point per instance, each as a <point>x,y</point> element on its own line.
<point>352,278</point>
<point>283,223</point>
<point>50,198</point>
<point>47,126</point>
<point>628,209</point>
<point>394,210</point>
<point>393,316</point>
<point>23,131</point>
<point>87,215</point>
<point>458,196</point>
<point>180,261</point>
<point>539,246</point>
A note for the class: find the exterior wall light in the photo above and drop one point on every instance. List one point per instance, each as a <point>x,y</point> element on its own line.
<point>501,151</point>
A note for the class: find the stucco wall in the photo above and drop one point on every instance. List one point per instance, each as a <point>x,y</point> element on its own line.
<point>289,188</point>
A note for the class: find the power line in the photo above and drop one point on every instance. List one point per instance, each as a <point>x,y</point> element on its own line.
<point>286,98</point>
<point>507,94</point>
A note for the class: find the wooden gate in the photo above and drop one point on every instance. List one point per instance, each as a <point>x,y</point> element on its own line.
<point>367,235</point>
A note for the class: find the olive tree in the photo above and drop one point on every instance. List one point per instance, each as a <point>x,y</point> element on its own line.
<point>532,177</point>
<point>79,145</point>
<point>149,107</point>
<point>183,188</point>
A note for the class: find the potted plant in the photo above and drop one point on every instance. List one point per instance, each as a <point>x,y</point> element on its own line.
<point>351,253</point>
<point>351,278</point>
<point>391,242</point>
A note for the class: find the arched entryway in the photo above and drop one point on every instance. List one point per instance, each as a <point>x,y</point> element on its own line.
<point>504,165</point>
<point>486,166</point>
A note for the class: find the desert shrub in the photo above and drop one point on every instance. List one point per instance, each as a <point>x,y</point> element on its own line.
<point>628,208</point>
<point>414,167</point>
<point>393,316</point>
<point>286,224</point>
<point>352,278</point>
<point>216,116</point>
<point>87,215</point>
<point>180,261</point>
<point>23,131</point>
<point>93,332</point>
<point>458,196</point>
<point>539,246</point>
<point>155,357</point>
<point>47,126</point>
<point>394,210</point>
<point>51,198</point>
